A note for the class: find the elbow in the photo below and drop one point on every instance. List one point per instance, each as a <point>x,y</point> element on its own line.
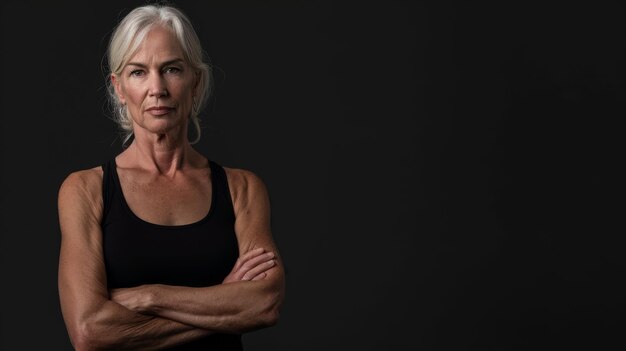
<point>263,311</point>
<point>260,320</point>
<point>271,318</point>
<point>271,312</point>
<point>81,338</point>
<point>263,315</point>
<point>86,337</point>
<point>274,303</point>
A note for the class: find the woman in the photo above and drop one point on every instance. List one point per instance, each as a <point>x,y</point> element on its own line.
<point>162,248</point>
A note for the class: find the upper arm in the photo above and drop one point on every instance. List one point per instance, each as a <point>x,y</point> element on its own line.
<point>252,210</point>
<point>82,277</point>
<point>252,217</point>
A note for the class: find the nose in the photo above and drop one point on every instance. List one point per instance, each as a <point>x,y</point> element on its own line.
<point>157,86</point>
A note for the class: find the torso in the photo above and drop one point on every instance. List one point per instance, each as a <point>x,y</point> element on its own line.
<point>186,205</point>
<point>173,230</point>
<point>160,200</point>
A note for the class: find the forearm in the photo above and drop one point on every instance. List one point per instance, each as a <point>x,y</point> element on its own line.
<point>227,308</point>
<point>113,326</point>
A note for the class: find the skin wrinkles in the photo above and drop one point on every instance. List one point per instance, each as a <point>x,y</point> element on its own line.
<point>163,180</point>
<point>157,75</point>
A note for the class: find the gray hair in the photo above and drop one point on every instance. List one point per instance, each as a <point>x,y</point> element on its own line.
<point>125,41</point>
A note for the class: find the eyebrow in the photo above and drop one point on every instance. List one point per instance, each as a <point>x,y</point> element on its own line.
<point>139,64</point>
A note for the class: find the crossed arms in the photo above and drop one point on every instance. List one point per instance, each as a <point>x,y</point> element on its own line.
<point>158,316</point>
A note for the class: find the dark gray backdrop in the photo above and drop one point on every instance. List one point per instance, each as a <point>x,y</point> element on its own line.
<point>441,176</point>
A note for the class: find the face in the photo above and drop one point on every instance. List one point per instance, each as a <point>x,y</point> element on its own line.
<point>157,85</point>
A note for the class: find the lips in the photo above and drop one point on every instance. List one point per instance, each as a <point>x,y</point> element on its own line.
<point>159,110</point>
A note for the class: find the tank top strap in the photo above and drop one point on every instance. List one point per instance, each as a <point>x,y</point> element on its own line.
<point>220,186</point>
<point>108,185</point>
<point>222,191</point>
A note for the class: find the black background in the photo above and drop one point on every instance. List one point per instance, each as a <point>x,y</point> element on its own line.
<point>441,176</point>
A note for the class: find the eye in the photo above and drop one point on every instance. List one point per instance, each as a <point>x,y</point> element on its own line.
<point>172,70</point>
<point>137,73</point>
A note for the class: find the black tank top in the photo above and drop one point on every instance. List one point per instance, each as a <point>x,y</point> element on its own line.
<point>199,254</point>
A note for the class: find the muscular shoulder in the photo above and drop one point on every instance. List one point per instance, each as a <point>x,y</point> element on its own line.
<point>246,188</point>
<point>82,189</point>
<point>88,181</point>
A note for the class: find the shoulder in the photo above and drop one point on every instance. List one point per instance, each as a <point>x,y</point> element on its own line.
<point>82,187</point>
<point>246,188</point>
<point>242,179</point>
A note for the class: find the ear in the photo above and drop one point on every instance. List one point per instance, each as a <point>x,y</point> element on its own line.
<point>117,85</point>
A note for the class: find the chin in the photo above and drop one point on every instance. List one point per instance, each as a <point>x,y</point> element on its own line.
<point>162,127</point>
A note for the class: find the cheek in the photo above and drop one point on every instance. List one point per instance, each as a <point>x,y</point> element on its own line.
<point>133,95</point>
<point>185,93</point>
<point>186,85</point>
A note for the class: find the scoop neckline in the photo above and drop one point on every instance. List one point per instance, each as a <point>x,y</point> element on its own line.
<point>163,226</point>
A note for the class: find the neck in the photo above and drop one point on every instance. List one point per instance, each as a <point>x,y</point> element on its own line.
<point>165,154</point>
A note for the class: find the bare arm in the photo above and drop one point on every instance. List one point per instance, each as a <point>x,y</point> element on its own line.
<point>242,303</point>
<point>92,319</point>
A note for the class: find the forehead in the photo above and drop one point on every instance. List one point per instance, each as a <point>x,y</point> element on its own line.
<point>159,44</point>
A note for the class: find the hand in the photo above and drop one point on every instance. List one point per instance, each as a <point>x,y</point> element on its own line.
<point>135,299</point>
<point>251,266</point>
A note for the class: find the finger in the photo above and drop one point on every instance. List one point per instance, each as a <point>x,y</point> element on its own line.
<point>248,255</point>
<point>261,268</point>
<point>252,263</point>
<point>255,261</point>
<point>259,277</point>
<point>238,269</point>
